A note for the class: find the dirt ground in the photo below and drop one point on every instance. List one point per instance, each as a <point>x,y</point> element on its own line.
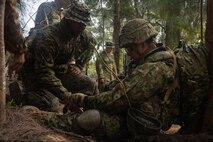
<point>23,125</point>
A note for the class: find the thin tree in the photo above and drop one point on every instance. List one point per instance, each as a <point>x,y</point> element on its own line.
<point>2,64</point>
<point>116,33</point>
<point>137,11</point>
<point>169,32</point>
<point>208,116</point>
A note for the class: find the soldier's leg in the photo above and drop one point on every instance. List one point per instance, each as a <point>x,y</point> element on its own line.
<point>42,99</point>
<point>91,122</point>
<point>112,126</point>
<point>80,84</point>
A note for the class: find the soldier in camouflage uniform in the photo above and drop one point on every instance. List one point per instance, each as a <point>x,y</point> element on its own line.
<point>105,66</point>
<point>149,87</point>
<point>51,12</point>
<point>13,37</point>
<point>47,75</point>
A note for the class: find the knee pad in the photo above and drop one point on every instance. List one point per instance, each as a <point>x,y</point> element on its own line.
<point>89,120</point>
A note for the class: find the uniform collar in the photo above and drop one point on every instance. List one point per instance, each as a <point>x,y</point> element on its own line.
<point>150,52</point>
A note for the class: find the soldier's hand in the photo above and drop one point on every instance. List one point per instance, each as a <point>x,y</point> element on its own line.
<point>72,108</point>
<point>18,61</point>
<point>74,70</point>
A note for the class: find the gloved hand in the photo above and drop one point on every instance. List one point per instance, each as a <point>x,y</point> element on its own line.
<point>74,70</point>
<point>74,102</point>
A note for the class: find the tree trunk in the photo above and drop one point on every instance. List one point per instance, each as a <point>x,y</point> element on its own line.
<point>208,116</point>
<point>137,11</point>
<point>2,64</point>
<point>116,33</point>
<point>169,33</point>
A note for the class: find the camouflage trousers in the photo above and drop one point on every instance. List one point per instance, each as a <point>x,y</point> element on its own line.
<point>111,127</point>
<point>40,97</point>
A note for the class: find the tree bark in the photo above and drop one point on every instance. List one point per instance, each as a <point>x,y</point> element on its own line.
<point>169,33</point>
<point>137,11</point>
<point>116,33</point>
<point>208,115</point>
<point>2,64</point>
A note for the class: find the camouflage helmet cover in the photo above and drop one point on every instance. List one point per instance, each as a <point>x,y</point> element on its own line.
<point>136,31</point>
<point>78,12</point>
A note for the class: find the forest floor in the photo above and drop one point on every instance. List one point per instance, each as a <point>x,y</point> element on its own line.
<point>25,124</point>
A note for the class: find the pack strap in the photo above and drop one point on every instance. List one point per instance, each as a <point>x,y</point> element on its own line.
<point>173,85</point>
<point>46,19</point>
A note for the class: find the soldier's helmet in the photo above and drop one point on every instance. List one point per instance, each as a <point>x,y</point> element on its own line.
<point>78,12</point>
<point>136,31</point>
<point>109,44</point>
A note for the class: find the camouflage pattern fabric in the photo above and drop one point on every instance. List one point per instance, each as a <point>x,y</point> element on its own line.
<point>80,83</point>
<point>47,14</point>
<point>63,122</point>
<point>101,69</point>
<point>112,125</point>
<point>194,82</point>
<point>42,99</point>
<point>136,31</point>
<point>78,12</point>
<point>13,37</point>
<point>145,88</point>
<point>85,44</point>
<point>85,48</point>
<point>47,62</point>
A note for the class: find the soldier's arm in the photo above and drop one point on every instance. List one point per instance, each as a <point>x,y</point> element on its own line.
<point>14,41</point>
<point>85,49</point>
<point>84,58</point>
<point>45,52</point>
<point>144,82</point>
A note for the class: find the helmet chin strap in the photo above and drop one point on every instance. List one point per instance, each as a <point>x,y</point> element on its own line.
<point>141,49</point>
<point>149,48</point>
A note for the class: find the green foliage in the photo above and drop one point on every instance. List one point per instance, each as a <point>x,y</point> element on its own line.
<point>185,15</point>
<point>127,10</point>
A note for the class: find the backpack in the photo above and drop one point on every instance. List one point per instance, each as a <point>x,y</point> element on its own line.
<point>193,79</point>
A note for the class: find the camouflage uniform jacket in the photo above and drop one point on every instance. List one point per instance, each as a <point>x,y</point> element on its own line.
<point>101,69</point>
<point>48,13</point>
<point>49,56</point>
<point>145,88</point>
<point>85,48</point>
<point>14,41</point>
